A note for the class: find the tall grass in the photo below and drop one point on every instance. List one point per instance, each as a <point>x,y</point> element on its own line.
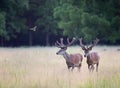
<point>40,67</point>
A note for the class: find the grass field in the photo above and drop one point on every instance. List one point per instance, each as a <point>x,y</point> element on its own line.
<point>40,67</point>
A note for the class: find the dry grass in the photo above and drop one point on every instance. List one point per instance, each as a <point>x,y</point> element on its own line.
<point>40,67</point>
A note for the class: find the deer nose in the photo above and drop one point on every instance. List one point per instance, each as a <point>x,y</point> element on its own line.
<point>57,53</point>
<point>84,55</point>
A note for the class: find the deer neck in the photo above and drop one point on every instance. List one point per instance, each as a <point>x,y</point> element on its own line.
<point>66,56</point>
<point>88,56</point>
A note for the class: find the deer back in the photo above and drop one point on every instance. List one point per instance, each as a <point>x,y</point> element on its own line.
<point>76,58</point>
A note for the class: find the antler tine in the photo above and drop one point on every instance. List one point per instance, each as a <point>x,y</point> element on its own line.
<point>61,42</point>
<point>81,44</point>
<point>69,43</point>
<point>56,44</point>
<point>61,39</point>
<point>94,43</point>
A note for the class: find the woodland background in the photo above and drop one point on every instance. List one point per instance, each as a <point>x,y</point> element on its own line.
<point>58,18</point>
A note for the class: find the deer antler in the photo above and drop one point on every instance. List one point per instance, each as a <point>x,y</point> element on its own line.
<point>60,44</point>
<point>70,43</point>
<point>56,44</point>
<point>81,44</point>
<point>94,43</point>
<point>61,39</point>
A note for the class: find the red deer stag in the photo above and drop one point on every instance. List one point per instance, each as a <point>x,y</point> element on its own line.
<point>93,57</point>
<point>72,60</point>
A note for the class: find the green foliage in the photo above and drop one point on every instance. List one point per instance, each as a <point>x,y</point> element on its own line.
<point>76,18</point>
<point>89,19</point>
<point>13,21</point>
<point>94,26</point>
<point>2,24</point>
<point>69,17</point>
<point>3,32</point>
<point>111,82</point>
<point>115,25</point>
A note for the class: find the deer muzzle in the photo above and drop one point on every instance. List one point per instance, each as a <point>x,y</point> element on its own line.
<point>57,53</point>
<point>84,55</point>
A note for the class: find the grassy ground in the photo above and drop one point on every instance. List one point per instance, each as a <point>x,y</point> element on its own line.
<point>40,67</point>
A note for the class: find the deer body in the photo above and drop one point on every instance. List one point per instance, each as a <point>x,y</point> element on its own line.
<point>93,57</point>
<point>72,60</point>
<point>76,59</point>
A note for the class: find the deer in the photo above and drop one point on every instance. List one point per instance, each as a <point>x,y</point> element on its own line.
<point>92,57</point>
<point>72,60</point>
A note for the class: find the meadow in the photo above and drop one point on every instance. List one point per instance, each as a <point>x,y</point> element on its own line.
<point>40,67</point>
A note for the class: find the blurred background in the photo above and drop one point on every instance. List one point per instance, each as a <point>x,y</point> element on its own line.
<point>42,22</point>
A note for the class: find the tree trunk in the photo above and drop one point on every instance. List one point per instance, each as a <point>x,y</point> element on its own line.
<point>47,39</point>
<point>30,38</point>
<point>2,41</point>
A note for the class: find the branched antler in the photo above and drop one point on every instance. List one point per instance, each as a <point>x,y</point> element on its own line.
<point>61,44</point>
<point>94,43</point>
<point>81,44</point>
<point>70,43</point>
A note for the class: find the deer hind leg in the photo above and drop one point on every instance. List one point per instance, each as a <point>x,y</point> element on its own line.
<point>79,67</point>
<point>97,67</point>
<point>89,67</point>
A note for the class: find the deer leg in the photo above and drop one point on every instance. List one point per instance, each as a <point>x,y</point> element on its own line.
<point>72,68</point>
<point>79,67</point>
<point>69,67</point>
<point>89,67</point>
<point>92,67</point>
<point>97,67</point>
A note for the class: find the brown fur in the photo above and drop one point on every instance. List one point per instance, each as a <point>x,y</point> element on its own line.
<point>76,58</point>
<point>93,58</point>
<point>72,60</point>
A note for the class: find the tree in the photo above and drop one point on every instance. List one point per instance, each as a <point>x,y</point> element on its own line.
<point>88,19</point>
<point>45,19</point>
<point>13,20</point>
<point>69,19</point>
<point>3,32</point>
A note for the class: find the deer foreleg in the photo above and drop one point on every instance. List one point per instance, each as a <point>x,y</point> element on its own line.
<point>72,68</point>
<point>92,67</point>
<point>69,67</point>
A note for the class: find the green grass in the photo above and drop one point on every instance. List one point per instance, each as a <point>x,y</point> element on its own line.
<point>40,67</point>
<point>112,82</point>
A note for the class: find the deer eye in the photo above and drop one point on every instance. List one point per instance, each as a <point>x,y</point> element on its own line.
<point>63,47</point>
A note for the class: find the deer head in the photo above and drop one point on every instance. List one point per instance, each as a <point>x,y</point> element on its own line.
<point>86,48</point>
<point>62,46</point>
